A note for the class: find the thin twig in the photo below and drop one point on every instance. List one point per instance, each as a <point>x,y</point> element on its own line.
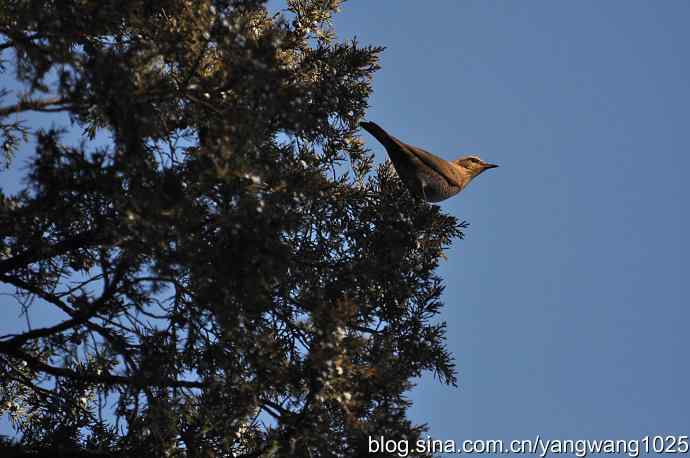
<point>33,105</point>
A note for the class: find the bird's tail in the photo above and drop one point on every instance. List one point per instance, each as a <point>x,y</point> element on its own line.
<point>378,133</point>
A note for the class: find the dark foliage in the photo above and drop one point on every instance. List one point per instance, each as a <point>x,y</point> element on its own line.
<point>234,278</point>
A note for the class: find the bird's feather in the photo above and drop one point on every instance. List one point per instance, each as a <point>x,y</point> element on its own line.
<point>441,166</point>
<point>395,146</point>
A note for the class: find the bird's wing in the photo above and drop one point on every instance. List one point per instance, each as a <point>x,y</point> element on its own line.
<point>396,148</point>
<point>441,166</point>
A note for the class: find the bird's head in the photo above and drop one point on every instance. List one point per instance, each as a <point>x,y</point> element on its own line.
<point>474,165</point>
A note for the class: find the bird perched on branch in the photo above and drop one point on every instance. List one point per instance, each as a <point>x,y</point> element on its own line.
<point>425,174</point>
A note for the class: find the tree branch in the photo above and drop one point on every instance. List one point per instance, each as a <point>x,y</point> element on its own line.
<point>33,105</point>
<point>48,297</point>
<point>107,378</point>
<point>84,240</point>
<point>78,318</point>
<point>20,339</point>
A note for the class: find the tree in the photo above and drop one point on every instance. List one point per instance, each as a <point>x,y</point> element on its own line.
<point>236,278</point>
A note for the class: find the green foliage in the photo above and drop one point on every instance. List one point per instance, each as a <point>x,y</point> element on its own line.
<point>235,278</point>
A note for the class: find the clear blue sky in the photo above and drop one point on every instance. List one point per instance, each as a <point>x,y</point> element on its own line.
<point>566,305</point>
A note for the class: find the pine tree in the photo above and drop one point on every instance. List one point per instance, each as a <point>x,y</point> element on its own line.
<point>236,276</point>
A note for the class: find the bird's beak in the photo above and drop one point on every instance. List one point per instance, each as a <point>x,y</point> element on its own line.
<point>490,166</point>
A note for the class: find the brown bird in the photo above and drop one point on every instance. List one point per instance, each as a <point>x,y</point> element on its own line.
<point>425,174</point>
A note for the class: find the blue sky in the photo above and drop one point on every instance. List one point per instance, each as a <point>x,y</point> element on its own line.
<point>566,303</point>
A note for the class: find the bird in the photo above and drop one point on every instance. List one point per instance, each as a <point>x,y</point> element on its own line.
<point>425,174</point>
